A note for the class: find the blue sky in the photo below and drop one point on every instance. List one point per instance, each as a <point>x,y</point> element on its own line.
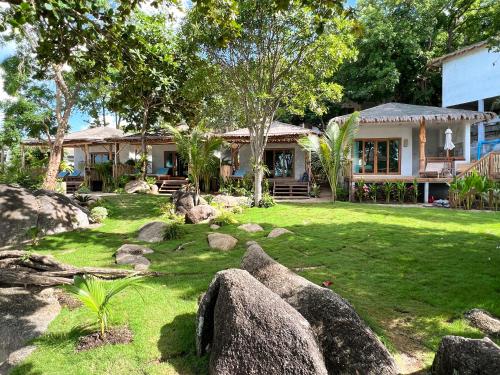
<point>78,120</point>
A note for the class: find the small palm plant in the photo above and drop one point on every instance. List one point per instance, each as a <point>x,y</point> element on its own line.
<point>198,149</point>
<point>96,295</point>
<point>388,189</point>
<point>333,149</point>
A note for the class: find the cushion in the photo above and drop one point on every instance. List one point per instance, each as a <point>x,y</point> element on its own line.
<point>239,173</point>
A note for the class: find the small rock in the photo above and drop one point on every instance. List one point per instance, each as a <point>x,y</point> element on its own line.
<point>134,249</point>
<point>134,260</point>
<point>276,232</point>
<point>137,186</point>
<point>214,226</point>
<point>221,241</point>
<point>460,355</point>
<point>200,213</point>
<point>229,201</point>
<point>152,232</point>
<point>483,321</point>
<point>154,189</point>
<point>251,228</point>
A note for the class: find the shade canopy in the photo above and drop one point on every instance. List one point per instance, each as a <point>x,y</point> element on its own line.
<point>413,114</point>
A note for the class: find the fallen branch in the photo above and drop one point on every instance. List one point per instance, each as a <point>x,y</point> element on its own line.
<point>25,268</point>
<point>182,246</point>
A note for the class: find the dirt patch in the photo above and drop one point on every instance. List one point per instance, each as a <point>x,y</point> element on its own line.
<point>120,335</point>
<point>66,300</point>
<point>412,352</point>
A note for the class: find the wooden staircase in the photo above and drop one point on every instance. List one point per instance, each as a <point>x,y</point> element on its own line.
<point>290,190</point>
<point>488,165</point>
<point>168,187</point>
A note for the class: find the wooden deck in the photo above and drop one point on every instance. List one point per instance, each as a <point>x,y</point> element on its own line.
<point>398,178</point>
<point>289,189</point>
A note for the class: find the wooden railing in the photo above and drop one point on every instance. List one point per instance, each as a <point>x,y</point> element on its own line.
<point>488,165</point>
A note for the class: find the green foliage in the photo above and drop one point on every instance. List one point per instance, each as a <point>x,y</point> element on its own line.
<point>97,294</point>
<point>99,214</point>
<point>333,149</point>
<point>151,181</point>
<point>83,190</point>
<point>224,217</point>
<point>82,199</point>
<point>315,190</point>
<point>373,192</point>
<point>267,201</point>
<point>389,189</point>
<point>174,230</point>
<point>474,187</point>
<point>401,191</point>
<point>104,172</point>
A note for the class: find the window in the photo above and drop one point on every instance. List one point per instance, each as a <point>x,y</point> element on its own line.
<point>99,157</point>
<point>376,156</point>
<point>279,162</point>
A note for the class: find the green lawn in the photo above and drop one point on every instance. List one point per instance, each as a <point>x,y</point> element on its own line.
<point>410,273</point>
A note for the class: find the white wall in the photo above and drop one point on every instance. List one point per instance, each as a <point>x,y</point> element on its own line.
<point>392,131</point>
<point>299,162</point>
<point>126,153</point>
<point>472,76</point>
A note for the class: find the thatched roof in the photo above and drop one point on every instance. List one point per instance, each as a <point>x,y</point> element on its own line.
<point>91,135</point>
<point>160,137</point>
<point>440,60</point>
<point>409,113</point>
<point>278,132</point>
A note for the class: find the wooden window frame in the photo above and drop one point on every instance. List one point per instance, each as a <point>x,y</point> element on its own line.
<point>375,156</point>
<point>274,150</point>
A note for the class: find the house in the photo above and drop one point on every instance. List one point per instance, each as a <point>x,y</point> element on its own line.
<point>289,166</point>
<point>471,80</point>
<point>404,142</point>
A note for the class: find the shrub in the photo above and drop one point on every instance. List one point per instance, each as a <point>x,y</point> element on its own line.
<point>209,198</point>
<point>388,189</point>
<point>174,230</point>
<point>82,199</point>
<point>373,192</point>
<point>151,181</point>
<point>224,217</point>
<point>123,180</point>
<point>267,201</point>
<point>360,190</point>
<point>83,190</point>
<point>315,190</point>
<point>98,214</point>
<point>401,189</point>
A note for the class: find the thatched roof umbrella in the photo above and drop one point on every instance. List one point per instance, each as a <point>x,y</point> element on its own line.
<point>399,113</point>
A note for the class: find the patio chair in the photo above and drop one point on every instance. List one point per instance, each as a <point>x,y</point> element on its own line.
<point>75,173</point>
<point>62,174</point>
<point>434,169</point>
<point>239,173</point>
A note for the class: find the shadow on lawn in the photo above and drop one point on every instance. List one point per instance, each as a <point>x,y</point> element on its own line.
<point>177,345</point>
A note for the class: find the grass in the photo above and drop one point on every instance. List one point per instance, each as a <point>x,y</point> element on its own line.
<point>410,273</point>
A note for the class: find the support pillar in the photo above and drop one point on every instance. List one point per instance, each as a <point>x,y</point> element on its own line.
<point>480,126</point>
<point>422,141</point>
<point>22,157</point>
<point>467,144</point>
<point>426,192</point>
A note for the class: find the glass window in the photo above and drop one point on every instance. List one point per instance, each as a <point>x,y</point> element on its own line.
<point>382,157</point>
<point>394,156</point>
<point>99,157</point>
<point>369,157</point>
<point>378,156</point>
<point>357,159</point>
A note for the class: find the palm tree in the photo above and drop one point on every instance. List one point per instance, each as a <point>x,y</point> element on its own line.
<point>333,148</point>
<point>198,149</point>
<point>96,295</point>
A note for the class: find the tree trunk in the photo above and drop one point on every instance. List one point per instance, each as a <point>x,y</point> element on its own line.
<point>144,149</point>
<point>65,101</point>
<point>258,177</point>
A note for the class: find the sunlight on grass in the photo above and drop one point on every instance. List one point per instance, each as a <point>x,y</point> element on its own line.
<point>410,272</point>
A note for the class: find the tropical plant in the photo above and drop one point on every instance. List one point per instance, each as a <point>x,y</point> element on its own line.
<point>388,190</point>
<point>415,191</point>
<point>401,191</point>
<point>360,190</point>
<point>224,217</point>
<point>96,295</point>
<point>482,186</point>
<point>198,149</point>
<point>315,191</point>
<point>373,192</point>
<point>98,214</point>
<point>333,149</point>
<point>150,181</point>
<point>104,173</point>
<point>174,230</point>
<point>267,201</point>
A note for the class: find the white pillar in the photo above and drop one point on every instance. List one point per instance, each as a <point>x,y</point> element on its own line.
<point>467,143</point>
<point>480,126</point>
<point>426,192</point>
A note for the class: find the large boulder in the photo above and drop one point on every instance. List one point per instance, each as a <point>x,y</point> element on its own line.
<point>250,330</point>
<point>25,214</point>
<point>348,345</point>
<point>228,201</point>
<point>137,186</point>
<point>200,213</point>
<point>183,201</point>
<point>152,232</point>
<point>483,321</point>
<point>221,241</point>
<point>460,355</point>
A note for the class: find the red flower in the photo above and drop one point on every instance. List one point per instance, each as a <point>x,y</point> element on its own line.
<point>327,283</point>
